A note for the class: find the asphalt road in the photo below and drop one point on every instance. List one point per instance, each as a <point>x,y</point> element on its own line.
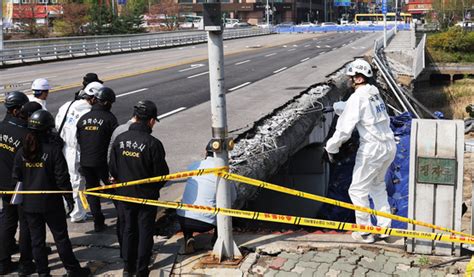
<point>180,87</point>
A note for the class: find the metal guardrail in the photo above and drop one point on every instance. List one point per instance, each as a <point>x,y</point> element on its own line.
<point>338,28</point>
<point>112,44</point>
<point>379,42</point>
<point>419,59</point>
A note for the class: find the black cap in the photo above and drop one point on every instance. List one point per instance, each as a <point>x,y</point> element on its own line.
<point>15,99</point>
<point>89,78</point>
<point>146,109</point>
<point>41,121</point>
<point>29,108</point>
<point>105,94</point>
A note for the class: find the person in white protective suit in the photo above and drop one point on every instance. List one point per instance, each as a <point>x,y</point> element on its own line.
<point>66,121</point>
<point>365,111</point>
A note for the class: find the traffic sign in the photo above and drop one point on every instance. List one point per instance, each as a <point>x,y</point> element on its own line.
<point>384,7</point>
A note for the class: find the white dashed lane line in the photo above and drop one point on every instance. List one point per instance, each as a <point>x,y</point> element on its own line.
<point>239,86</point>
<point>193,66</point>
<point>131,92</point>
<point>303,60</point>
<point>242,62</point>
<point>280,70</point>
<point>293,49</point>
<point>171,113</point>
<point>197,75</point>
<point>318,46</point>
<point>269,55</point>
<point>307,45</point>
<point>327,46</point>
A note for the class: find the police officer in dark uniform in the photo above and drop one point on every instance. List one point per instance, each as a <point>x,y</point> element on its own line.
<point>94,130</point>
<point>40,165</point>
<point>12,132</point>
<point>136,154</point>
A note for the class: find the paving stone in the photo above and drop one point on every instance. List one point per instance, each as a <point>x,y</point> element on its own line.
<point>336,251</point>
<point>322,270</point>
<point>308,272</point>
<point>403,267</point>
<point>289,265</point>
<point>270,273</point>
<point>376,274</point>
<point>354,259</point>
<point>343,266</point>
<point>308,264</point>
<point>365,253</point>
<point>360,271</point>
<point>401,260</point>
<point>250,260</point>
<point>427,273</point>
<point>286,274</point>
<point>375,265</point>
<point>393,254</point>
<point>298,269</point>
<point>412,272</point>
<point>381,258</point>
<point>325,257</point>
<point>230,272</point>
<point>346,252</point>
<point>291,256</point>
<point>345,274</point>
<point>389,268</point>
<point>333,273</point>
<point>307,256</point>
<point>278,262</point>
<point>258,269</point>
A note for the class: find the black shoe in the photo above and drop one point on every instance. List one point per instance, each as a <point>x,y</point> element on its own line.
<point>26,268</point>
<point>126,273</point>
<point>15,249</point>
<point>99,227</point>
<point>8,267</point>
<point>80,272</point>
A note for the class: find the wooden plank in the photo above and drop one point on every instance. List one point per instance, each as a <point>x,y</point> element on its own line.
<point>445,198</point>
<point>425,193</point>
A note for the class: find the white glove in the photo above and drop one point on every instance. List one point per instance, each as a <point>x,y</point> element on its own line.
<point>339,107</point>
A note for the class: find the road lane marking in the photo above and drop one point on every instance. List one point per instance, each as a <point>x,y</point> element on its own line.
<point>293,49</point>
<point>318,46</point>
<point>321,53</point>
<point>327,46</point>
<point>131,92</point>
<point>284,46</point>
<point>269,55</point>
<point>307,45</point>
<point>242,62</point>
<point>193,66</point>
<point>239,86</point>
<point>197,75</point>
<point>171,113</point>
<point>295,45</point>
<point>303,60</point>
<point>280,70</point>
<point>113,66</point>
<point>344,45</point>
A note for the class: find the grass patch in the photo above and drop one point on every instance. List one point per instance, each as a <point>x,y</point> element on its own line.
<point>451,100</point>
<point>442,56</point>
<point>452,46</point>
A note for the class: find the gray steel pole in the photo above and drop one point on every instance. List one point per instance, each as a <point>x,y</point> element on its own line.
<point>267,17</point>
<point>225,247</point>
<point>1,25</point>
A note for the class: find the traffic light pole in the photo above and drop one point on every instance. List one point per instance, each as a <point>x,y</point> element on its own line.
<point>225,247</point>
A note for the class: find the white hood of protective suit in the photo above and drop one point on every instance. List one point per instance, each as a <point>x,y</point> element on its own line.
<point>77,109</point>
<point>42,102</point>
<point>366,111</point>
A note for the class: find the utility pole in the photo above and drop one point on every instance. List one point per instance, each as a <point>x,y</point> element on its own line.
<point>1,25</point>
<point>225,247</point>
<point>325,11</point>
<point>384,12</point>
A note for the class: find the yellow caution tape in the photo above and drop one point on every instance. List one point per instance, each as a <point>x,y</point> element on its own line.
<point>84,202</point>
<point>174,176</point>
<point>287,219</point>
<point>470,268</point>
<point>262,184</point>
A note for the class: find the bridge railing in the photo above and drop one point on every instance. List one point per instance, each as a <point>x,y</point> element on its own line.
<point>419,58</point>
<point>338,28</point>
<point>112,44</point>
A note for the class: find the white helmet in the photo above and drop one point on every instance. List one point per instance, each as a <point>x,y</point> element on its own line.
<point>92,88</point>
<point>359,66</point>
<point>40,84</point>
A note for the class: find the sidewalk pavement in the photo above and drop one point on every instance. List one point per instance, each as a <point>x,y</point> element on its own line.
<point>315,254</point>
